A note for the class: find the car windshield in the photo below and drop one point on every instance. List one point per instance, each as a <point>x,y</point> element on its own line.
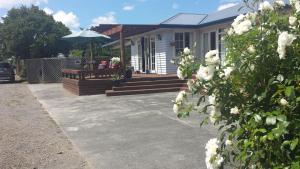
<point>4,65</point>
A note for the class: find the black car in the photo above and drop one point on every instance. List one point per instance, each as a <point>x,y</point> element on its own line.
<point>7,72</point>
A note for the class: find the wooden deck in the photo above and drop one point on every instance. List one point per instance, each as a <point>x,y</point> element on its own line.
<point>87,87</point>
<point>100,82</point>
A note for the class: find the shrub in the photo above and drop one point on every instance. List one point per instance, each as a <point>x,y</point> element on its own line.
<point>253,97</point>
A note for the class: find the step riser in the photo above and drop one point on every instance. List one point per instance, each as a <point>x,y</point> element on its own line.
<point>153,79</point>
<point>142,83</point>
<point>119,93</point>
<point>148,87</point>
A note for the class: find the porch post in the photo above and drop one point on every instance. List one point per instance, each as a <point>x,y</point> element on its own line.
<point>122,48</point>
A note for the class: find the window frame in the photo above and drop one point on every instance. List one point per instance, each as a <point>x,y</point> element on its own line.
<point>183,42</point>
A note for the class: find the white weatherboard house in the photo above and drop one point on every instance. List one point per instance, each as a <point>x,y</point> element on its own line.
<point>153,51</point>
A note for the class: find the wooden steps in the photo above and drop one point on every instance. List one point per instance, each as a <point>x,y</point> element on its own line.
<point>145,85</point>
<point>141,91</point>
<point>140,87</point>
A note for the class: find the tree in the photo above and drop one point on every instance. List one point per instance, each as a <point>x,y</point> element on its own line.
<point>28,32</point>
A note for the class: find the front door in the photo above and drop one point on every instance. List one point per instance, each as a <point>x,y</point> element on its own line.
<point>148,62</point>
<point>152,55</point>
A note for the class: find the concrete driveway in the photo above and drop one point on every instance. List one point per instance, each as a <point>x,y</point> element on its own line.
<point>127,132</point>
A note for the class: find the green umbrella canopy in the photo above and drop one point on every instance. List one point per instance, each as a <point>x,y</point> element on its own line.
<point>86,36</point>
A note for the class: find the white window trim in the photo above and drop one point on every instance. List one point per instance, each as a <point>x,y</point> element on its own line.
<point>192,34</point>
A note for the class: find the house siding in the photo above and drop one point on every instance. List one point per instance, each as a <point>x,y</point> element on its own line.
<point>170,52</point>
<point>161,53</point>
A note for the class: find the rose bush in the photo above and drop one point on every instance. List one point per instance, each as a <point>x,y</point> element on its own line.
<point>254,95</point>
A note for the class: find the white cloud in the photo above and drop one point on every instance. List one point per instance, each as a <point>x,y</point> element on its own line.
<point>128,7</point>
<point>1,18</point>
<point>48,11</point>
<point>225,6</point>
<point>175,5</point>
<point>7,4</point>
<point>68,19</point>
<point>109,18</point>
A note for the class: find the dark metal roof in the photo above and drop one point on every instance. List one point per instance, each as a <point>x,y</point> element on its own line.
<point>228,13</point>
<point>128,30</point>
<point>185,19</point>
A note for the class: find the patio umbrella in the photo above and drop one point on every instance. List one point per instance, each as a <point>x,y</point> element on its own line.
<point>87,36</point>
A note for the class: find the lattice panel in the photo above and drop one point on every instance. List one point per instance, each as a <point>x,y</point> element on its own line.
<point>52,70</point>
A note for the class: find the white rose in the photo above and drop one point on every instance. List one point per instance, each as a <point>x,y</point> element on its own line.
<point>180,97</point>
<point>212,58</point>
<point>297,6</point>
<point>279,3</point>
<point>230,32</point>
<point>251,16</point>
<point>175,108</point>
<point>186,51</point>
<point>234,110</point>
<point>283,102</point>
<point>228,142</point>
<point>228,71</point>
<point>238,19</point>
<point>206,73</point>
<point>191,57</point>
<point>285,39</point>
<point>213,160</point>
<point>190,84</point>
<point>180,74</point>
<point>265,6</point>
<point>280,78</point>
<point>243,27</point>
<point>212,99</point>
<point>292,20</point>
<point>213,112</point>
<point>251,49</point>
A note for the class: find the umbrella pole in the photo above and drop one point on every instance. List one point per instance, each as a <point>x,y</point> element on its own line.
<point>91,58</point>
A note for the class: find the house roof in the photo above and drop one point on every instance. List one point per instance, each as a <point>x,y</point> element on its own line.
<point>185,19</point>
<point>128,30</point>
<point>182,20</point>
<point>225,14</point>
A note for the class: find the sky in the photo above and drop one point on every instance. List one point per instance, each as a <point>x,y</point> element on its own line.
<point>77,14</point>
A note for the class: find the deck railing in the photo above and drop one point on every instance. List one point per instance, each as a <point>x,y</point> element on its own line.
<point>88,74</point>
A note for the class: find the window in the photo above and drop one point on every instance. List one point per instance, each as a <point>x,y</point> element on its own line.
<point>209,42</point>
<point>222,49</point>
<point>205,43</point>
<point>213,41</point>
<point>182,40</point>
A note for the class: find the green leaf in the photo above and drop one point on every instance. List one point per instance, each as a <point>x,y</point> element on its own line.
<point>294,144</point>
<point>270,136</point>
<point>257,118</point>
<point>271,120</point>
<point>290,92</point>
<point>281,118</point>
<point>295,165</point>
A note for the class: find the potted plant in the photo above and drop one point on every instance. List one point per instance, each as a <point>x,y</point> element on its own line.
<point>115,62</point>
<point>116,78</point>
